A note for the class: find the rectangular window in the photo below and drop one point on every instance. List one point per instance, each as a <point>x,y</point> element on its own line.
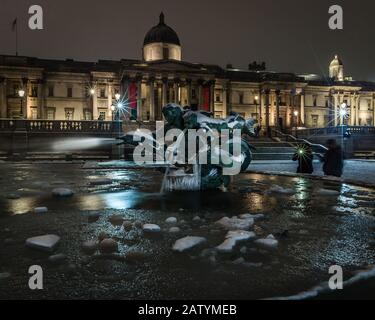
<point>165,53</point>
<point>102,93</point>
<point>34,113</point>
<point>315,121</point>
<point>50,113</point>
<point>102,115</point>
<point>69,114</point>
<point>87,114</point>
<point>218,97</point>
<point>34,91</point>
<point>315,101</point>
<point>70,92</point>
<point>240,98</point>
<point>50,91</point>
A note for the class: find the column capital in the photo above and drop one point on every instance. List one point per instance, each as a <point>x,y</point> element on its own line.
<point>266,91</point>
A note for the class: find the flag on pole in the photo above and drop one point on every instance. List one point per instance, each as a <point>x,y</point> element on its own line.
<point>14,25</point>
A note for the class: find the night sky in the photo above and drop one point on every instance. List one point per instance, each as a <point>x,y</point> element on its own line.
<point>290,35</point>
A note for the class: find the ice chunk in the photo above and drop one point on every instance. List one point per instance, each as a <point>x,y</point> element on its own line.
<point>232,238</point>
<point>281,190</point>
<point>235,223</point>
<point>45,243</point>
<point>268,243</point>
<point>187,243</point>
<point>151,228</point>
<point>171,220</point>
<point>62,192</point>
<point>40,210</point>
<point>174,230</point>
<point>327,192</point>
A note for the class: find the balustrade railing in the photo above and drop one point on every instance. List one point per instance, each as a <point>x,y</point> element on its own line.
<point>60,126</point>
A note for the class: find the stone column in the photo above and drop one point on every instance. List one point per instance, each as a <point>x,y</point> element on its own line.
<point>200,93</point>
<point>267,104</point>
<point>229,98</point>
<point>189,94</point>
<point>277,92</point>
<point>164,91</point>
<point>373,111</point>
<point>41,99</point>
<point>272,111</point>
<point>358,105</point>
<point>95,111</point>
<point>335,110</point>
<point>152,99</point>
<point>26,105</point>
<point>3,98</point>
<point>139,98</point>
<point>109,101</point>
<point>352,109</point>
<point>175,90</point>
<point>261,108</point>
<point>302,111</point>
<point>224,102</point>
<point>212,96</point>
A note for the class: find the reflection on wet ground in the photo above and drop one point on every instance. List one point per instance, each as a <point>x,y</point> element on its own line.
<point>327,224</point>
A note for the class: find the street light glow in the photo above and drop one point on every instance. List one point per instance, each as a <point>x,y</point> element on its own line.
<point>117,96</point>
<point>92,91</point>
<point>21,93</point>
<point>296,113</point>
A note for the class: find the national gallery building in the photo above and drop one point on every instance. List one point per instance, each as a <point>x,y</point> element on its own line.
<point>33,88</point>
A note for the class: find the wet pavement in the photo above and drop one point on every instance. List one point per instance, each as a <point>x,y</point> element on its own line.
<point>361,171</point>
<point>315,228</point>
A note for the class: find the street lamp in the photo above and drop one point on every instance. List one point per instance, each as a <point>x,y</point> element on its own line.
<point>343,113</point>
<point>113,108</point>
<point>256,98</point>
<point>21,94</point>
<point>92,91</point>
<point>296,121</point>
<point>117,96</point>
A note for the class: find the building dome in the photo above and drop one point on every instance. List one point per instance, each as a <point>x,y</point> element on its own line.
<point>161,43</point>
<point>161,33</point>
<point>336,62</point>
<point>336,69</point>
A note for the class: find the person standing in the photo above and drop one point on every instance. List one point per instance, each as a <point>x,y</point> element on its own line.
<point>333,160</point>
<point>304,156</point>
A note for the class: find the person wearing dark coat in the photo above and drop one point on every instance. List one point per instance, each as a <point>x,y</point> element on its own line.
<point>333,160</point>
<point>304,156</point>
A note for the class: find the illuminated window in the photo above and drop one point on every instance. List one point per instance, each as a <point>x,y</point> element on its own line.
<point>50,113</point>
<point>70,92</point>
<point>69,114</point>
<point>34,113</point>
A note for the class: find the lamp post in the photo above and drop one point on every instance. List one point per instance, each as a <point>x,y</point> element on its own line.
<point>21,94</point>
<point>296,121</point>
<point>343,113</point>
<point>113,108</point>
<point>256,105</point>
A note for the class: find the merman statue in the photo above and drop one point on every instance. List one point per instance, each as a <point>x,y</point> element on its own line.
<point>211,173</point>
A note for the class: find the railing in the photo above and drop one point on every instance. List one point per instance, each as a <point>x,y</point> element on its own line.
<point>289,138</point>
<point>49,126</point>
<point>355,130</point>
<point>7,125</point>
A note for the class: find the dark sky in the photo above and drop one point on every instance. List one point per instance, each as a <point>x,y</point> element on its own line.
<point>290,35</point>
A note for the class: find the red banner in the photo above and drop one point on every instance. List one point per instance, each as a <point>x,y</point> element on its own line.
<point>206,98</point>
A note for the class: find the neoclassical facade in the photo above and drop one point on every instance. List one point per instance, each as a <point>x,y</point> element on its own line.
<point>70,90</point>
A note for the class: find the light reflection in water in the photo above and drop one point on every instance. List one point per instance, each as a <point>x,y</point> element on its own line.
<point>119,200</point>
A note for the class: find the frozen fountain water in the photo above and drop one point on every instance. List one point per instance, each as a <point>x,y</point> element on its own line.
<point>77,144</point>
<point>176,179</point>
